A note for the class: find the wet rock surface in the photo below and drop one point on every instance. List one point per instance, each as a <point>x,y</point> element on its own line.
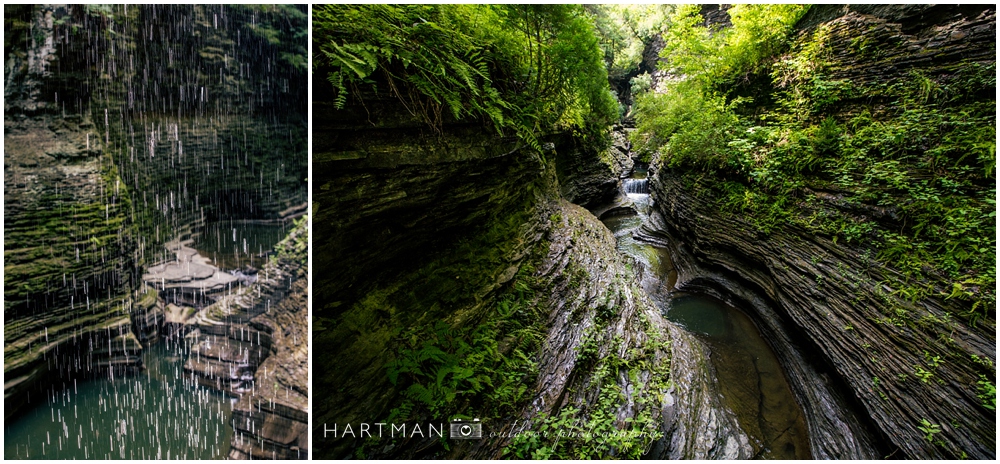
<point>687,411</point>
<point>69,273</point>
<point>835,325</point>
<point>252,343</point>
<point>189,279</point>
<point>588,176</point>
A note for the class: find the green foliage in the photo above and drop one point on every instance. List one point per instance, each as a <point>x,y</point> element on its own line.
<point>641,83</point>
<point>284,26</point>
<point>716,56</point>
<point>624,31</point>
<point>914,177</point>
<point>692,122</point>
<point>923,374</point>
<point>929,429</point>
<point>987,393</point>
<point>690,128</point>
<point>592,436</point>
<point>522,68</point>
<point>295,246</point>
<point>483,366</point>
<point>436,363</point>
<point>447,370</point>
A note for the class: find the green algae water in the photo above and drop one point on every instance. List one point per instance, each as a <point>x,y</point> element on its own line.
<point>751,379</point>
<point>156,414</point>
<point>235,245</point>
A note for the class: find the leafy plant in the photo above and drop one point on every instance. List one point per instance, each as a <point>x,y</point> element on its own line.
<point>987,393</point>
<point>595,435</point>
<point>522,68</point>
<point>923,374</point>
<point>929,429</point>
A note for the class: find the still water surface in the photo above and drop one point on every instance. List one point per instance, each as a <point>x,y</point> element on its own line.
<point>751,379</point>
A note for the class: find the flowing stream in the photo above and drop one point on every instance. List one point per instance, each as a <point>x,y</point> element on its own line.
<point>751,379</point>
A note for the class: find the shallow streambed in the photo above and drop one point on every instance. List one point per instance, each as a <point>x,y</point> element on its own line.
<point>751,379</point>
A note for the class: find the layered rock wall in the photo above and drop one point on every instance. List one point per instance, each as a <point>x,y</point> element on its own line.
<point>898,366</point>
<point>204,109</point>
<point>429,241</point>
<point>387,185</point>
<point>253,344</point>
<point>69,242</point>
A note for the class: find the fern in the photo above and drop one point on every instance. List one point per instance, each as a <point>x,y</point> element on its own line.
<point>522,69</point>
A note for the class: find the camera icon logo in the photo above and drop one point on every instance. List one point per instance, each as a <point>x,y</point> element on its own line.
<point>465,430</point>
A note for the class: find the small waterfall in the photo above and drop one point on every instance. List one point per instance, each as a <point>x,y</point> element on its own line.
<point>636,186</point>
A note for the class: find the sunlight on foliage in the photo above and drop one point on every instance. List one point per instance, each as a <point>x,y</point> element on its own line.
<point>914,175</point>
<point>524,68</point>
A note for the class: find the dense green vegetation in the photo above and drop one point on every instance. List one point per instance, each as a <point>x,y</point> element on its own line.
<point>523,69</point>
<point>752,116</point>
<point>910,160</point>
<point>624,32</point>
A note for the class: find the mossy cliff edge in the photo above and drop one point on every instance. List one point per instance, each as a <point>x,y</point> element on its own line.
<point>127,127</point>
<point>851,202</point>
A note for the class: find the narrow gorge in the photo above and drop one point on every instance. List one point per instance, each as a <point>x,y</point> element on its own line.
<point>610,231</point>
<point>155,252</point>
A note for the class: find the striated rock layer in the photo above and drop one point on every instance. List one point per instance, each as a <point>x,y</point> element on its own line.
<point>836,429</point>
<point>827,300</point>
<point>69,242</point>
<point>253,343</point>
<point>434,247</point>
<point>898,367</point>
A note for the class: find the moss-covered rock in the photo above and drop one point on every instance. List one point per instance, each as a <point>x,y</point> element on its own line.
<point>452,278</point>
<point>868,173</point>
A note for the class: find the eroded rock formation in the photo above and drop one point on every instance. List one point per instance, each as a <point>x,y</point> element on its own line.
<point>828,304</point>
<point>253,343</point>
<point>69,268</point>
<point>423,238</point>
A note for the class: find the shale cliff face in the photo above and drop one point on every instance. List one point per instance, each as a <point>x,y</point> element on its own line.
<point>590,176</point>
<point>204,107</point>
<point>127,127</point>
<point>898,388</point>
<point>453,279</point>
<point>253,343</point>
<point>69,242</point>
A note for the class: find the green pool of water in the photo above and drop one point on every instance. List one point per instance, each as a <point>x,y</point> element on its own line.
<point>157,414</point>
<point>751,379</point>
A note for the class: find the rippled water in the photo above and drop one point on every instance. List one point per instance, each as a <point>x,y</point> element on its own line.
<point>751,379</point>
<point>157,414</point>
